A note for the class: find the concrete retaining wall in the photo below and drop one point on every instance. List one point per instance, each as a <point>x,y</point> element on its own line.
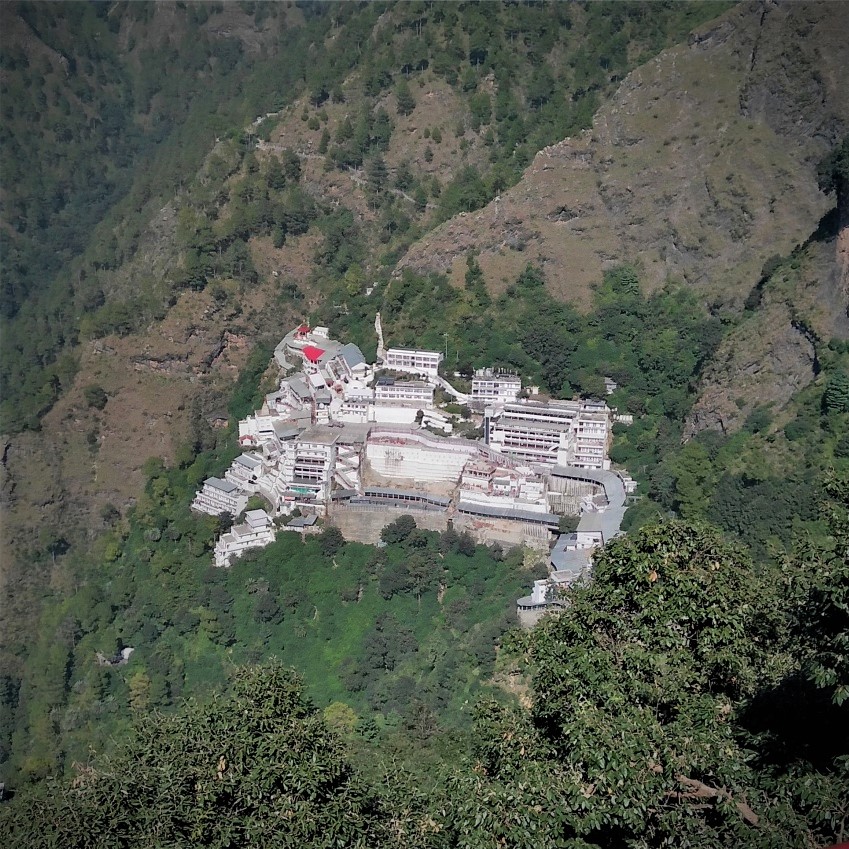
<point>363,523</point>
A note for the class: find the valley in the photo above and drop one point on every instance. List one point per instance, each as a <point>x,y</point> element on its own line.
<point>605,242</point>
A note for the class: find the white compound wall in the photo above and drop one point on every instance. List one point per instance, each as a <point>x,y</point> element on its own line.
<point>417,461</point>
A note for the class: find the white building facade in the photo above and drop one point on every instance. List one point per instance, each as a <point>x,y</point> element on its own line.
<point>560,433</point>
<point>220,496</point>
<point>257,531</point>
<point>490,386</point>
<point>415,362</point>
<point>414,391</point>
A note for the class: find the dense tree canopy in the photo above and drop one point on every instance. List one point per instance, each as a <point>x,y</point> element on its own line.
<point>255,767</point>
<point>673,703</point>
<point>657,707</point>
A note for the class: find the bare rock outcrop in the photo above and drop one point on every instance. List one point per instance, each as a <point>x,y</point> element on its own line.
<point>755,366</point>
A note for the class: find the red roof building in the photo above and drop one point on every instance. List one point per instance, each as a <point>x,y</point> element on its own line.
<point>303,330</point>
<point>312,353</point>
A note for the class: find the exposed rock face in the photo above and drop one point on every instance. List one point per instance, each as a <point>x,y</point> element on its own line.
<point>699,169</point>
<point>752,369</point>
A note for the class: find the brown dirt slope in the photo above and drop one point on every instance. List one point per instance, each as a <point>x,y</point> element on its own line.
<point>700,167</point>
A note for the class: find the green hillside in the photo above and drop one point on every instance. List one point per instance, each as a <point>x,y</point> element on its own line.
<point>182,182</point>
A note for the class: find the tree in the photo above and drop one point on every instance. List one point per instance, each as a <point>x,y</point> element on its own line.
<point>404,178</point>
<point>257,766</point>
<point>399,530</point>
<point>475,282</point>
<point>465,193</point>
<point>139,685</point>
<point>639,721</point>
<point>568,524</point>
<point>833,171</point>
<point>330,540</point>
<point>110,513</point>
<point>345,131</point>
<point>376,173</point>
<point>324,141</point>
<point>340,717</point>
<point>836,396</point>
<point>424,570</point>
<point>291,164</point>
<point>274,176</point>
<point>466,544</point>
<point>404,97</point>
<point>267,609</point>
<point>822,615</point>
<point>95,396</point>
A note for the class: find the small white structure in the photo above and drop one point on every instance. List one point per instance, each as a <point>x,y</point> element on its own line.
<point>488,483</point>
<point>539,593</point>
<point>533,607</point>
<point>415,362</point>
<point>256,429</point>
<point>257,531</point>
<point>355,406</point>
<point>220,496</point>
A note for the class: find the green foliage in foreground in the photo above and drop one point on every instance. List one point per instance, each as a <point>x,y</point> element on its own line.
<point>684,698</point>
<point>672,705</point>
<point>255,767</point>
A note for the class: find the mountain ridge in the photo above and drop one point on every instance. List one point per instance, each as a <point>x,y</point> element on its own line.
<point>602,196</point>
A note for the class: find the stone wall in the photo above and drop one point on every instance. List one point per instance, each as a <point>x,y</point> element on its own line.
<point>363,523</point>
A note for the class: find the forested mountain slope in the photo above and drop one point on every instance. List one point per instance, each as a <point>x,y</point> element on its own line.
<point>605,194</point>
<point>421,111</point>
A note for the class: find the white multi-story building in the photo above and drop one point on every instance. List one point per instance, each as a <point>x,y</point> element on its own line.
<point>245,471</point>
<point>491,386</point>
<point>306,466</point>
<point>592,433</point>
<point>554,433</point>
<point>257,531</point>
<point>415,362</point>
<point>414,391</point>
<point>548,440</point>
<point>220,496</point>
